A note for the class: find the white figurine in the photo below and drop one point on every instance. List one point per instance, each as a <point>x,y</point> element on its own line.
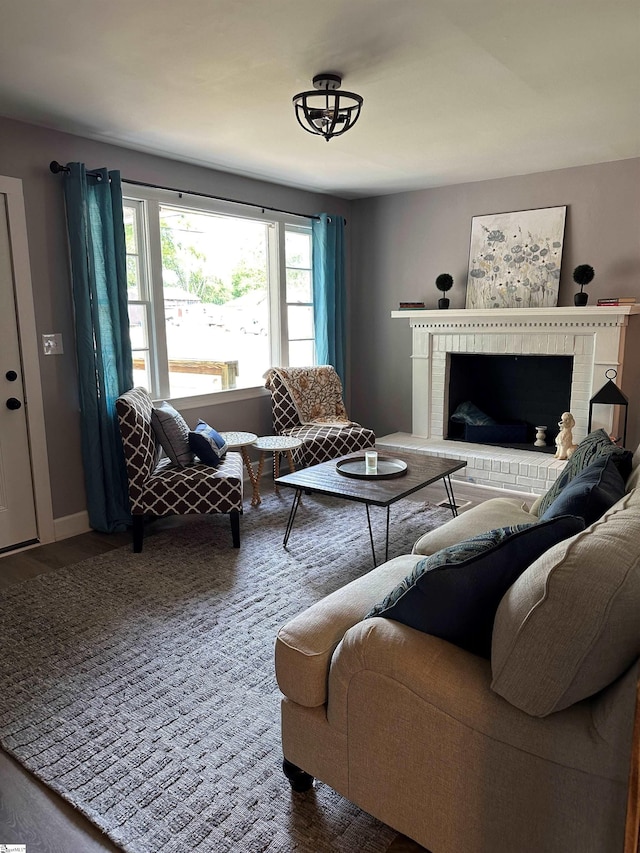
<point>564,439</point>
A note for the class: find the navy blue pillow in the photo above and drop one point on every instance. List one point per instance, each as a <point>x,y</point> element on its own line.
<point>591,493</point>
<point>594,446</point>
<point>454,594</point>
<point>208,445</point>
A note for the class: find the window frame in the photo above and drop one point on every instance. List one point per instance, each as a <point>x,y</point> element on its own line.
<point>147,201</point>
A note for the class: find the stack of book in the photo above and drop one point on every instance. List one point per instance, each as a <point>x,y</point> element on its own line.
<point>415,306</point>
<point>617,300</point>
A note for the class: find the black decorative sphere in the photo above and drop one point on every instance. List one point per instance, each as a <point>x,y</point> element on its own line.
<point>444,282</point>
<point>583,274</point>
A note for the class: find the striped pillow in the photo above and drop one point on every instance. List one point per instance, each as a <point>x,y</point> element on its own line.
<point>172,432</point>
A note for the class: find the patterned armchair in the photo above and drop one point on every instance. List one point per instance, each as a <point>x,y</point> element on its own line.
<point>157,487</point>
<point>306,402</point>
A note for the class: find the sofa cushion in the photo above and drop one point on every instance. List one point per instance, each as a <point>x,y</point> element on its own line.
<point>590,494</point>
<point>496,512</point>
<point>208,445</point>
<point>569,625</point>
<point>172,432</point>
<point>454,593</point>
<point>594,446</point>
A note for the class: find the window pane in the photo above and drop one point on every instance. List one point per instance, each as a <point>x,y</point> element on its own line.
<point>301,354</point>
<point>133,277</point>
<point>300,319</point>
<point>215,301</point>
<point>298,249</point>
<point>131,236</point>
<point>133,260</point>
<point>299,286</point>
<point>138,327</point>
<point>141,375</point>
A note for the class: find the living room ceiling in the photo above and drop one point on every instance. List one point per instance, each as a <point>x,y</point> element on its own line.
<point>454,90</point>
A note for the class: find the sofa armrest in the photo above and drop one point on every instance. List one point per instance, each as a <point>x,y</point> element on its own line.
<point>382,665</point>
<point>488,515</point>
<point>305,645</point>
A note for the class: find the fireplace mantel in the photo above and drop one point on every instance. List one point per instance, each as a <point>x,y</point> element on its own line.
<point>593,336</point>
<point>495,317</point>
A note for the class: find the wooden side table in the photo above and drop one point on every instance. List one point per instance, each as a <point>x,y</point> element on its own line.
<point>275,444</point>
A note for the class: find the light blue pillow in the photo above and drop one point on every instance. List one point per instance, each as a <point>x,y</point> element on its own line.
<point>590,494</point>
<point>454,594</point>
<point>208,445</point>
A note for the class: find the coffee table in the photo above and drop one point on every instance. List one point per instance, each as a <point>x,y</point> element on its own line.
<point>422,470</point>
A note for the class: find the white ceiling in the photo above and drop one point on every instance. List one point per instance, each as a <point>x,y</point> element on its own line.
<point>454,90</point>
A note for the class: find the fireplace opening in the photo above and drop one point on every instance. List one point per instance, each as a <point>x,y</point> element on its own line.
<point>517,392</point>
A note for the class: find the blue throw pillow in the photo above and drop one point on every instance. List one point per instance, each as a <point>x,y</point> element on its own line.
<point>208,445</point>
<point>469,413</point>
<point>594,446</point>
<point>454,594</point>
<point>590,494</point>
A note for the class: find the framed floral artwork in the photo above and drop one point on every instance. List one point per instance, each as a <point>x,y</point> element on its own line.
<point>515,258</point>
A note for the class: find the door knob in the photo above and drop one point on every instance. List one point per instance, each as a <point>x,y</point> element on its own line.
<point>12,403</point>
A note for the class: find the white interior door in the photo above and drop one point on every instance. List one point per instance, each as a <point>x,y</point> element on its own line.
<point>17,505</point>
<point>25,498</point>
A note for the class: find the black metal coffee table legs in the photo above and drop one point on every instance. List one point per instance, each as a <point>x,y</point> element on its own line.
<point>292,517</point>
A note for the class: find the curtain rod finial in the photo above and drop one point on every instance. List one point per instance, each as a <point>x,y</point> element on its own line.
<point>56,168</point>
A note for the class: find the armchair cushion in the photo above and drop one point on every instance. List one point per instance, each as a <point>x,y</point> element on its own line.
<point>172,432</point>
<point>569,626</point>
<point>454,593</point>
<point>208,445</point>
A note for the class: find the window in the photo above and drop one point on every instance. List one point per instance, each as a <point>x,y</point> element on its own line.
<point>215,296</point>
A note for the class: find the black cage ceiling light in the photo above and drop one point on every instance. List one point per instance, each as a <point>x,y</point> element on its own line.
<point>326,111</point>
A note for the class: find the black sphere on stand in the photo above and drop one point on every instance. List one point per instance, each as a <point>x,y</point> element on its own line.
<point>582,275</point>
<point>444,282</point>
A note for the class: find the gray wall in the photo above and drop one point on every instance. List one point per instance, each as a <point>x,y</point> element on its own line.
<point>400,243</point>
<point>25,153</point>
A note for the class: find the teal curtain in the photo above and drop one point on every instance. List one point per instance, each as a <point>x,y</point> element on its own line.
<point>329,292</point>
<point>103,346</point>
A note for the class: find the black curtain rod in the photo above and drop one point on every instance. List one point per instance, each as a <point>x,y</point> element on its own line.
<point>56,168</point>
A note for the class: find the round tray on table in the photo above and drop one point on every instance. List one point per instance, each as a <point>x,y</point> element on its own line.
<point>388,468</point>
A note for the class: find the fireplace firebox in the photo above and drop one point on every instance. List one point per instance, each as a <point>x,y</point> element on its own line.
<point>518,392</point>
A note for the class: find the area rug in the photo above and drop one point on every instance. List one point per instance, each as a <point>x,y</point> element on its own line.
<point>141,687</point>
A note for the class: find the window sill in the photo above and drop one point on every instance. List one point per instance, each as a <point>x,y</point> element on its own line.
<point>217,398</point>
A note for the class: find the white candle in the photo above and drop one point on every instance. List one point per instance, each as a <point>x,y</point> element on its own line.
<point>371,461</point>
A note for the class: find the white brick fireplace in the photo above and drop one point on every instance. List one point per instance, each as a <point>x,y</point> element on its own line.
<point>595,337</point>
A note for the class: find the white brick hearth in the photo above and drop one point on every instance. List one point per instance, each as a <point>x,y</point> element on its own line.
<point>595,337</point>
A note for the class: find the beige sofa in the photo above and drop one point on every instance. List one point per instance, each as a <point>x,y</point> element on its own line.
<point>524,753</point>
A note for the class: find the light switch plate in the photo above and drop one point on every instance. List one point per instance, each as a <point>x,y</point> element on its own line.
<point>52,344</point>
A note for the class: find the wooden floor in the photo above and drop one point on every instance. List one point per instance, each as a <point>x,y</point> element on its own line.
<point>32,814</point>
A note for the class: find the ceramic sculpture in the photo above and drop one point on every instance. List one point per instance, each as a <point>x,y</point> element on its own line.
<point>564,439</point>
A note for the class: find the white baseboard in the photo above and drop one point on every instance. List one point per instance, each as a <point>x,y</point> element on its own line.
<point>71,525</point>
